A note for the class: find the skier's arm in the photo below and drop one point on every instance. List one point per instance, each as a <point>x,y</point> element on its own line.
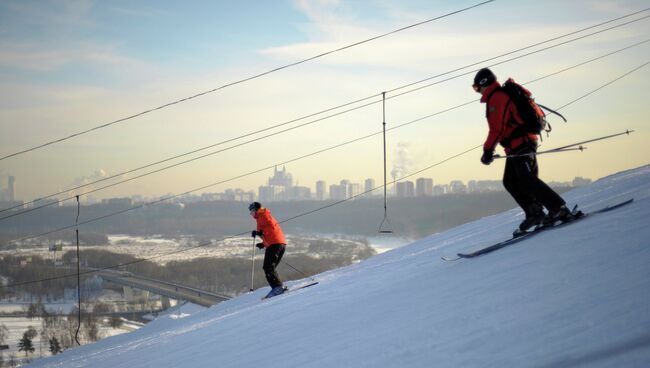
<point>496,120</point>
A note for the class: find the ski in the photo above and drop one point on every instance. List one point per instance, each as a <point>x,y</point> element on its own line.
<point>525,235</point>
<point>288,290</point>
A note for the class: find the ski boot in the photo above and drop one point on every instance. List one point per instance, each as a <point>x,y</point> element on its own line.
<point>275,292</point>
<point>559,215</point>
<point>534,217</point>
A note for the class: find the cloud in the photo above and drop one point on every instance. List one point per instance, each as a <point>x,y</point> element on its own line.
<point>40,57</point>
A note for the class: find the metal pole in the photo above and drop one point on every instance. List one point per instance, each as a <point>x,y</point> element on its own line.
<point>383,94</point>
<point>385,185</point>
<point>76,335</point>
<point>253,268</point>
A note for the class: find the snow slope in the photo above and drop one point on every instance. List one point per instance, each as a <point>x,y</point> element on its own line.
<point>574,296</point>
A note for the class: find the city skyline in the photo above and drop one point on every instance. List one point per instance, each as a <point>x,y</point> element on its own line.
<point>68,67</point>
<point>284,190</point>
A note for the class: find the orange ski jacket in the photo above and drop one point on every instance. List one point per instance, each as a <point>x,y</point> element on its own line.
<point>502,118</point>
<point>271,231</point>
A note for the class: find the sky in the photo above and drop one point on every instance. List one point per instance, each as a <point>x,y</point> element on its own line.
<point>69,66</point>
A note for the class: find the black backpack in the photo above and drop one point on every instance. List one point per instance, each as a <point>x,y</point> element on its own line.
<point>529,111</point>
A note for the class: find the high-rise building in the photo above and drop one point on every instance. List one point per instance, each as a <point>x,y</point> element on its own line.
<point>354,189</point>
<point>11,188</point>
<point>457,187</point>
<point>424,187</point>
<point>281,178</point>
<point>369,185</point>
<point>344,188</point>
<point>321,190</point>
<point>405,189</point>
<point>269,193</point>
<point>440,189</point>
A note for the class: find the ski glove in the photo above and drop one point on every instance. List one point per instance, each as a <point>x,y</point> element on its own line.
<point>260,245</point>
<point>256,233</point>
<point>488,157</point>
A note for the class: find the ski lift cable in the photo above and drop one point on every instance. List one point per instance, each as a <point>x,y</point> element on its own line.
<point>246,232</point>
<point>296,127</point>
<point>271,166</point>
<point>256,76</point>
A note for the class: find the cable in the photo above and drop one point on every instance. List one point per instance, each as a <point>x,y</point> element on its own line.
<point>241,81</point>
<point>522,56</point>
<point>299,158</point>
<point>300,215</point>
<point>531,46</point>
<point>605,85</point>
<point>313,121</point>
<point>227,237</point>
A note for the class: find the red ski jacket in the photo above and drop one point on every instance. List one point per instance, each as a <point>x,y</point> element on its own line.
<point>271,231</point>
<point>502,118</point>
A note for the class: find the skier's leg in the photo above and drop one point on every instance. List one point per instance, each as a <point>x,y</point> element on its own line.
<point>528,173</point>
<point>272,257</point>
<point>513,184</point>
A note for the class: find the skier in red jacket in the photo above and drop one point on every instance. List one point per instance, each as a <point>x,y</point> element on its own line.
<point>273,241</point>
<point>520,177</point>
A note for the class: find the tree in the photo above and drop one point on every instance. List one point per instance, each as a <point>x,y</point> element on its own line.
<point>32,311</point>
<point>31,332</point>
<point>116,321</point>
<point>25,344</point>
<point>55,347</point>
<point>4,332</point>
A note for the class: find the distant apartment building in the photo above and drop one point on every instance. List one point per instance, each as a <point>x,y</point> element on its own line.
<point>457,187</point>
<point>369,185</point>
<point>405,189</point>
<point>337,192</point>
<point>269,193</point>
<point>116,202</point>
<point>321,190</point>
<point>481,186</point>
<point>424,187</point>
<point>354,190</point>
<point>440,189</point>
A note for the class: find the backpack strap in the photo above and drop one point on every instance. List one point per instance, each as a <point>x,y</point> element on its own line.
<point>552,111</point>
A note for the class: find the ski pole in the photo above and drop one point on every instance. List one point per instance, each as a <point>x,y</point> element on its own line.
<point>297,270</point>
<point>581,148</point>
<point>253,268</point>
<point>570,147</point>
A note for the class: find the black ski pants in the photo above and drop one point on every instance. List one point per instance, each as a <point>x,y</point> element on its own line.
<point>521,180</point>
<point>272,258</point>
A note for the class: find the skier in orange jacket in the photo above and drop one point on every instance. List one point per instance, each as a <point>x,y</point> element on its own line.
<point>273,242</point>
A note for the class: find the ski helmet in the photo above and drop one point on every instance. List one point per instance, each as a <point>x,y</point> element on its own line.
<point>254,206</point>
<point>484,78</point>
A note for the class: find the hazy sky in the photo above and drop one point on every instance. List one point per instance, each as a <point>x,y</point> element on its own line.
<point>67,66</point>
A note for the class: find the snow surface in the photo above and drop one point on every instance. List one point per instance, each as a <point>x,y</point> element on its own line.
<point>574,296</point>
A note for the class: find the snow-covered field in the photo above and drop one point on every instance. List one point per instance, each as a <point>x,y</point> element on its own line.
<point>156,247</point>
<point>573,296</point>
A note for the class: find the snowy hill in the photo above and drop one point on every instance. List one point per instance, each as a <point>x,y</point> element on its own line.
<point>573,296</point>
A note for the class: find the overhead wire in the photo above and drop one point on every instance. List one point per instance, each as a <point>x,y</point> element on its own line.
<point>316,153</point>
<point>256,76</point>
<point>297,216</point>
<point>204,244</point>
<point>316,120</point>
